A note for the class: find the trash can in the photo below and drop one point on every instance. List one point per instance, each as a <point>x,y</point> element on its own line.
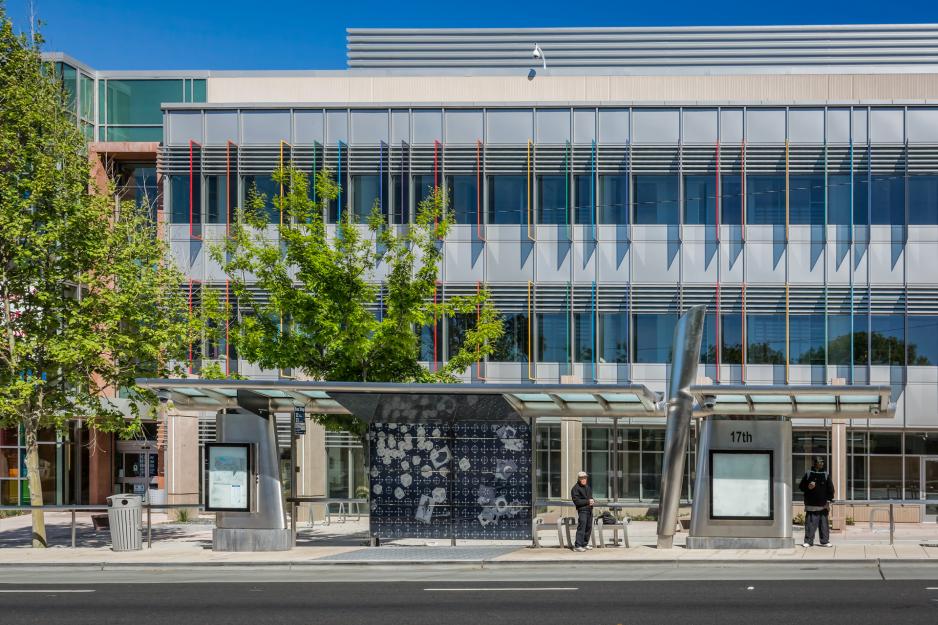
<point>125,516</point>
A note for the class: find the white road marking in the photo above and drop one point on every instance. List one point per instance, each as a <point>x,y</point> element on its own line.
<point>496,589</point>
<point>51,591</point>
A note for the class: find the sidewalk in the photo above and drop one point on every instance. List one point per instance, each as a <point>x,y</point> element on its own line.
<point>189,545</point>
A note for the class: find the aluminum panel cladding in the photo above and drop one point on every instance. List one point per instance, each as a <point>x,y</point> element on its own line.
<point>439,480</point>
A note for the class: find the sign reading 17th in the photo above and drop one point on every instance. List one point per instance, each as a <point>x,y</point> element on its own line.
<point>740,436</point>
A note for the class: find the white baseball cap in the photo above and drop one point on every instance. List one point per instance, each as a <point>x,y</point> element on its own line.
<point>582,474</point>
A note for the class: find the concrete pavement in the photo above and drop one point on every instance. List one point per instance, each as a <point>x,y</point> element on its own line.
<point>189,545</point>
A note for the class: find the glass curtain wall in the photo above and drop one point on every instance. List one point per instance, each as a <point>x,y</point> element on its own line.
<point>547,448</point>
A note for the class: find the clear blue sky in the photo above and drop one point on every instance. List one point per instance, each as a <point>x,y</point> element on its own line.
<point>271,34</point>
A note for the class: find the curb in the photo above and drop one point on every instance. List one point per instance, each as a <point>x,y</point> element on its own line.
<point>482,564</point>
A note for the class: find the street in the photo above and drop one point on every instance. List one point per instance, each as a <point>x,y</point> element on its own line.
<point>262,597</point>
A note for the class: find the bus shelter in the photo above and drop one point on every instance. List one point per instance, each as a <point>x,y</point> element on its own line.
<point>456,460</point>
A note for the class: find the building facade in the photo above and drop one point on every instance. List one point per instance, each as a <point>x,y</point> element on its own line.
<point>786,177</point>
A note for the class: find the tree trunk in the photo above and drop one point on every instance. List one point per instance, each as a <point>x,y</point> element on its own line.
<point>35,484</point>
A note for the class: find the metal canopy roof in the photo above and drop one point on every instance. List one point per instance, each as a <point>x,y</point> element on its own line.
<point>377,401</point>
<point>802,402</point>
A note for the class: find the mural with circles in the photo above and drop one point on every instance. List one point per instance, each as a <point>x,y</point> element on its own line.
<point>470,480</point>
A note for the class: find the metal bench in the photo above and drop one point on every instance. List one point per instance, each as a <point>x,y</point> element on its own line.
<point>548,522</point>
<point>600,526</point>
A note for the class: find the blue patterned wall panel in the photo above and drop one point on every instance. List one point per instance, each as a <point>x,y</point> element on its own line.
<point>434,480</point>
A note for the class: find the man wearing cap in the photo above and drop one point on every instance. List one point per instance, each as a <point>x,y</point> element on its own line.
<point>582,495</point>
<point>818,489</point>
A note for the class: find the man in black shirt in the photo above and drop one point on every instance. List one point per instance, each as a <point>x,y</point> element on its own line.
<point>818,492</point>
<point>582,495</point>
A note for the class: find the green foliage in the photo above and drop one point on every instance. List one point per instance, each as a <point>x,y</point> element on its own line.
<point>798,519</point>
<point>317,316</point>
<point>87,301</point>
<point>850,521</point>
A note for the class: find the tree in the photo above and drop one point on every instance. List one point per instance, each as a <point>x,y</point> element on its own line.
<point>88,300</point>
<point>317,312</point>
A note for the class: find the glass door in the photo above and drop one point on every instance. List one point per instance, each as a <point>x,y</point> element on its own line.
<point>930,487</point>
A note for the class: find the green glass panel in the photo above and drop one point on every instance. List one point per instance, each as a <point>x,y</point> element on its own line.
<point>198,90</point>
<point>138,101</point>
<point>135,133</point>
<point>87,97</point>
<point>69,77</point>
<point>101,100</point>
<point>87,130</point>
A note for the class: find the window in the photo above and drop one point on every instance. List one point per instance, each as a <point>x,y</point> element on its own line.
<point>423,188</point>
<point>513,344</point>
<point>653,336</point>
<point>614,337</point>
<point>731,337</point>
<point>553,337</point>
<point>838,200</point>
<point>86,97</point>
<point>840,340</point>
<point>700,200</point>
<point>179,199</point>
<point>806,339</point>
<point>431,342</point>
<point>400,189</point>
<point>131,109</point>
<point>216,199</point>
<point>68,76</point>
<point>463,195</point>
<point>731,199</point>
<point>888,340</point>
<point>857,448</point>
<point>368,194</point>
<point>613,199</point>
<point>656,200</point>
<point>766,339</point>
<point>630,462</point>
<point>885,462</point>
<point>345,466</point>
<point>547,446</point>
<point>584,198</point>
<point>805,445</point>
<point>923,200</point>
<point>806,199</point>
<point>139,101</point>
<point>266,189</point>
<point>552,199</point>
<point>597,451</point>
<point>888,200</point>
<point>508,203</point>
<point>923,340</point>
<point>584,332</point>
<point>765,199</point>
<point>612,332</point>
<point>708,344</point>
<point>457,327</point>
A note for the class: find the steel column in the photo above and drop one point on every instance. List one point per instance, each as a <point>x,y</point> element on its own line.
<point>686,354</point>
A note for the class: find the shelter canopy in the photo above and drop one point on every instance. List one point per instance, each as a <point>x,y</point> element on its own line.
<point>383,401</point>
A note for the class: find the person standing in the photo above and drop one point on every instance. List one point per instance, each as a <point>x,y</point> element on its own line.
<point>582,496</point>
<point>818,489</point>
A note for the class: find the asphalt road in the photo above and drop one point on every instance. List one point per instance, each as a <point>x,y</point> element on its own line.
<point>857,602</point>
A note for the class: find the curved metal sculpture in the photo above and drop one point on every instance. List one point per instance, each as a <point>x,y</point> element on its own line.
<point>680,409</point>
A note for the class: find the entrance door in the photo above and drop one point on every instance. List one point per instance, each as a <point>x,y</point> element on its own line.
<point>930,487</point>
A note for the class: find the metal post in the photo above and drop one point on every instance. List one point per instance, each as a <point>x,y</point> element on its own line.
<point>892,525</point>
<point>685,355</point>
<point>73,528</point>
<point>149,522</point>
